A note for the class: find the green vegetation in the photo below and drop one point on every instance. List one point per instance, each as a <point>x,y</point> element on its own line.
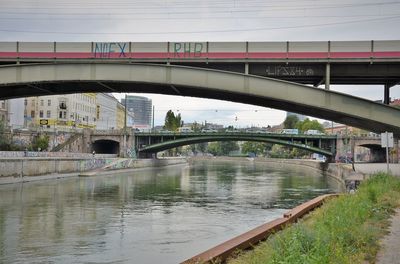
<point>345,230</point>
<point>4,140</point>
<point>257,148</point>
<point>172,122</point>
<point>290,121</point>
<point>40,142</point>
<point>222,148</point>
<point>293,122</point>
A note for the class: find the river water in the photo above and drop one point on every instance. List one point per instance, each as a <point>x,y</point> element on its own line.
<point>148,216</point>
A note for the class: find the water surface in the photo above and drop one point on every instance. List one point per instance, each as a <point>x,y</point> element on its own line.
<point>149,216</point>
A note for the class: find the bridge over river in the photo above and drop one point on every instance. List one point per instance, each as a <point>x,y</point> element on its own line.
<point>255,73</point>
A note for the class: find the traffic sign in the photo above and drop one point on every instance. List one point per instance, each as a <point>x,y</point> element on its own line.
<point>387,140</point>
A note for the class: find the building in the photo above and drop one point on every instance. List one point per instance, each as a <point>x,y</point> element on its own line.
<point>61,111</point>
<point>16,113</point>
<point>141,108</point>
<point>395,102</point>
<point>106,111</point>
<point>121,117</point>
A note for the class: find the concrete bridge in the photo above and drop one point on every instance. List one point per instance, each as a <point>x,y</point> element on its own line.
<point>108,67</point>
<point>42,79</point>
<point>315,63</point>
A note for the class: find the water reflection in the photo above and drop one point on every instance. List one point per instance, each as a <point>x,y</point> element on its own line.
<point>149,216</point>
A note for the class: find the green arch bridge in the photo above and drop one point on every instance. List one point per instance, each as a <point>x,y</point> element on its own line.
<point>149,143</point>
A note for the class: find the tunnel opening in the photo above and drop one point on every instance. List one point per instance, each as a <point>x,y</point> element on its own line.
<point>370,153</point>
<point>106,147</point>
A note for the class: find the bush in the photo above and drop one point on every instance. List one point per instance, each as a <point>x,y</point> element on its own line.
<point>344,230</point>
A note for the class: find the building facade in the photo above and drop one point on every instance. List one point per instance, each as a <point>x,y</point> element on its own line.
<point>61,111</point>
<point>141,108</point>
<point>4,112</point>
<point>106,111</point>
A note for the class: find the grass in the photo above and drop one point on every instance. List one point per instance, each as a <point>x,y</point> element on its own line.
<point>344,230</point>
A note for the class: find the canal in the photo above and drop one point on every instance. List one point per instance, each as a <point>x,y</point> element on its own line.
<point>148,216</point>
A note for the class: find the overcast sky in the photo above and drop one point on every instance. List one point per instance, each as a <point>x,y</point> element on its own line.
<point>211,20</point>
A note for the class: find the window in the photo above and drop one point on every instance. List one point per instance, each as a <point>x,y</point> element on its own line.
<point>42,102</point>
<point>32,113</point>
<point>48,114</point>
<point>49,102</point>
<point>33,103</point>
<point>41,113</point>
<point>62,105</point>
<point>26,102</point>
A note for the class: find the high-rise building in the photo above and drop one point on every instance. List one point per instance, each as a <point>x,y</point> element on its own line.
<point>141,108</point>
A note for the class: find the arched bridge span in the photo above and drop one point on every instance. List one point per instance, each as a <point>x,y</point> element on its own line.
<point>209,138</point>
<point>45,79</point>
<point>155,142</point>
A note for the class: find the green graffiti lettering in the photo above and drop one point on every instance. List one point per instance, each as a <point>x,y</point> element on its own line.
<point>198,48</point>
<point>177,48</point>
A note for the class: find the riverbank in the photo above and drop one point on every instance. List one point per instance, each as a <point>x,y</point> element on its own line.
<point>28,169</point>
<point>337,171</point>
<point>344,230</point>
<point>342,172</point>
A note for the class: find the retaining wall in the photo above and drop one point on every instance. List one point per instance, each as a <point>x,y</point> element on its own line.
<point>14,170</point>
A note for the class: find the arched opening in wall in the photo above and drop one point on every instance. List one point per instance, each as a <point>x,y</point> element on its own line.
<point>106,147</point>
<point>369,153</point>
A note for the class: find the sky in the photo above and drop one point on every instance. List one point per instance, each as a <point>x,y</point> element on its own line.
<point>209,20</point>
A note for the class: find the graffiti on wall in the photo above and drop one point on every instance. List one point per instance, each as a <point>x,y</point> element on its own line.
<point>110,50</point>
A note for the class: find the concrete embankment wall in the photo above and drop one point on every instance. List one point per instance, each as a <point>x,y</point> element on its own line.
<point>340,172</point>
<point>27,169</point>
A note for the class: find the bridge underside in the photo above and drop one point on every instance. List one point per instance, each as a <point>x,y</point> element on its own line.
<point>35,80</point>
<point>377,153</point>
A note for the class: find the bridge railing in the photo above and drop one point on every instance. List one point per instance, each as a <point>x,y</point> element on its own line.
<point>200,50</point>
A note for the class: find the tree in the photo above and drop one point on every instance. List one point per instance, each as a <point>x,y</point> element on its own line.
<point>4,140</point>
<point>255,147</point>
<point>228,146</point>
<point>41,142</point>
<point>196,127</point>
<point>222,148</point>
<point>290,121</point>
<point>307,124</point>
<point>172,122</point>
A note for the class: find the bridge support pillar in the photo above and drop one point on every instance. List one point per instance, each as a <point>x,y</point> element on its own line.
<point>386,96</point>
<point>246,68</point>
<point>327,76</point>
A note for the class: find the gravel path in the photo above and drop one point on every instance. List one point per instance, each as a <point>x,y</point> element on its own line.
<point>390,244</point>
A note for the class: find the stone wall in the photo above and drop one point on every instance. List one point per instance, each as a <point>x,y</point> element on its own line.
<point>13,170</point>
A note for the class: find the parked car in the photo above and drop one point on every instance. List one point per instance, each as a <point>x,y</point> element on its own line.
<point>290,131</point>
<point>208,130</point>
<point>185,130</point>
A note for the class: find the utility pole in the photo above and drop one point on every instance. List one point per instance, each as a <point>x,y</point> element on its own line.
<point>124,133</point>
<point>153,118</point>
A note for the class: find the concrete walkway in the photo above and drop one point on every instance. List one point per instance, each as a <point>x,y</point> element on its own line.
<point>371,168</point>
<point>390,245</point>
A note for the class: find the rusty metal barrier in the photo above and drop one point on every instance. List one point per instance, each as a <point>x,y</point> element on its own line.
<point>244,241</point>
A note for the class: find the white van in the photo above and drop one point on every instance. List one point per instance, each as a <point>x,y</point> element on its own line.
<point>313,132</point>
<point>185,130</point>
